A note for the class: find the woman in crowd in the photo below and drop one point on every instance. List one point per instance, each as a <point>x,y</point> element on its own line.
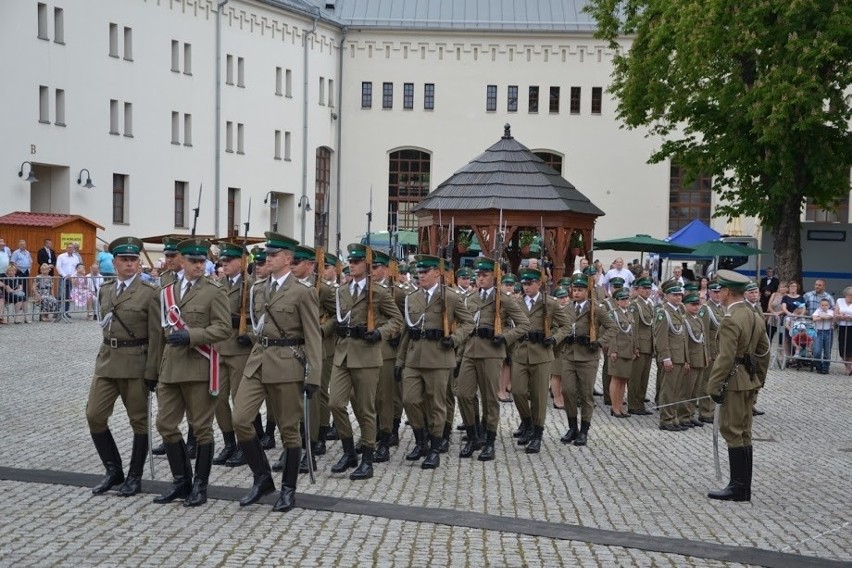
<point>80,294</point>
<point>775,315</point>
<point>703,292</point>
<point>48,305</point>
<point>843,317</point>
<point>790,302</point>
<point>13,293</point>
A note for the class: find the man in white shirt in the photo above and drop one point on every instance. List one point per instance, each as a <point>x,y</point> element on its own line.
<point>66,265</point>
<point>618,271</point>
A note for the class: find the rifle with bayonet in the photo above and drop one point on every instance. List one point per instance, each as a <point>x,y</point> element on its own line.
<point>244,292</point>
<point>497,254</point>
<point>371,318</point>
<point>543,288</point>
<point>196,210</point>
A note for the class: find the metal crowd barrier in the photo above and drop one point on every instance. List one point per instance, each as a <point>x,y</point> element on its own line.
<point>793,342</point>
<point>50,298</point>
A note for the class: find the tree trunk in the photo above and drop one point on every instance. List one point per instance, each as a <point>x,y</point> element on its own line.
<point>787,238</point>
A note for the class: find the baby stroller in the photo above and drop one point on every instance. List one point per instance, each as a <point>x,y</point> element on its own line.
<point>802,335</point>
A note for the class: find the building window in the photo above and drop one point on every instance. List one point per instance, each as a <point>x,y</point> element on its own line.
<point>233,223</point>
<point>42,21</point>
<point>241,138</point>
<point>175,56</point>
<point>119,198</point>
<point>277,154</point>
<point>688,201</point>
<point>113,116</point>
<point>229,136</point>
<point>429,96</point>
<point>533,99</point>
<point>575,100</point>
<point>241,72</point>
<point>60,107</point>
<point>331,93</point>
<point>366,94</point>
<point>552,160</point>
<point>512,98</point>
<point>175,127</point>
<point>288,83</point>
<point>287,139</point>
<point>44,104</point>
<point>128,44</point>
<point>187,59</point>
<point>128,120</point>
<point>597,96</point>
<point>837,214</point>
<point>180,204</point>
<point>408,96</point>
<point>59,25</point>
<point>321,98</point>
<point>229,69</point>
<point>387,95</point>
<point>554,99</point>
<point>491,98</point>
<point>113,40</point>
<point>409,174</point>
<point>187,129</point>
<point>322,185</point>
<point>279,81</point>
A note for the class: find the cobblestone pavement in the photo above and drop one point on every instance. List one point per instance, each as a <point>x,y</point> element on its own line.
<point>632,478</point>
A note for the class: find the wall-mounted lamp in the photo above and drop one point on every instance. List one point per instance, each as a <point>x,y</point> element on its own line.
<point>304,199</point>
<point>30,178</point>
<point>334,116</point>
<point>88,184</point>
<point>274,199</point>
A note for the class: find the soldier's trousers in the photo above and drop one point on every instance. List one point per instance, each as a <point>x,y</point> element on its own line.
<point>284,400</point>
<point>530,385</point>
<point>735,417</point>
<point>420,386</point>
<point>192,398</point>
<point>669,386</point>
<point>578,385</point>
<point>318,405</point>
<point>689,388</point>
<point>605,378</point>
<point>484,375</point>
<point>452,389</point>
<point>637,386</point>
<point>231,369</point>
<point>385,396</point>
<point>706,406</point>
<point>103,393</point>
<point>359,385</point>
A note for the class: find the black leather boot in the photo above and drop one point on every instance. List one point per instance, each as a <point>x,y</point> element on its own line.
<point>348,459</point>
<point>420,449</point>
<point>319,448</point>
<point>287,499</point>
<point>481,430</point>
<point>445,439</point>
<point>748,469</point>
<point>133,484</point>
<point>382,453</point>
<point>736,489</point>
<point>520,431</point>
<point>278,465</point>
<point>237,458</point>
<point>487,453</point>
<point>534,446</point>
<point>258,426</point>
<point>203,463</point>
<point>572,432</point>
<point>159,449</point>
<point>267,442</point>
<point>472,443</point>
<point>228,450</point>
<point>365,468</point>
<point>303,465</point>
<point>181,473</point>
<point>525,438</point>
<point>108,452</point>
<point>191,444</point>
<point>583,436</point>
<point>393,441</point>
<point>433,459</point>
<point>262,475</point>
<point>331,434</point>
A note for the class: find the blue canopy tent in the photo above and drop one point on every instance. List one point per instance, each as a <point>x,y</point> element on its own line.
<point>691,235</point>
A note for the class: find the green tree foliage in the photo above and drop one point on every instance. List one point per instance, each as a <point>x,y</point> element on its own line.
<point>754,92</point>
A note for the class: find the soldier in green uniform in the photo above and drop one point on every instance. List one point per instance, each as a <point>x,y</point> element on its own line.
<point>711,315</point>
<point>670,339</point>
<point>427,355</point>
<point>484,353</point>
<point>608,303</point>
<point>507,287</point>
<point>196,313</point>
<point>284,363</point>
<point>622,352</point>
<point>258,255</point>
<point>580,359</point>
<point>642,309</point>
<point>319,404</point>
<point>738,373</point>
<point>403,288</point>
<point>233,353</point>
<point>129,314</point>
<point>698,356</point>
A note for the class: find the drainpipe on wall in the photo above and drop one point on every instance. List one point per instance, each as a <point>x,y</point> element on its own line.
<point>339,136</point>
<point>303,200</point>
<point>218,128</point>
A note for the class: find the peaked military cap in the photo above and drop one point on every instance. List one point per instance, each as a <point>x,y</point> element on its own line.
<point>580,281</point>
<point>464,273</point>
<point>672,287</point>
<point>714,287</point>
<point>751,286</point>
<point>590,270</point>
<point>258,254</point>
<point>194,249</point>
<point>426,261</point>
<point>530,274</point>
<point>331,260</point>
<point>618,282</point>
<point>345,269</point>
<point>643,283</point>
<point>170,246</point>
<point>276,242</point>
<point>403,269</point>
<point>692,299</point>
<point>560,293</point>
<point>518,288</point>
<point>484,264</point>
<point>621,295</point>
<point>304,253</point>
<point>732,280</point>
<point>564,282</point>
<point>508,279</point>
<point>690,287</point>
<point>356,251</point>
<point>230,250</point>
<point>125,246</point>
<point>380,257</point>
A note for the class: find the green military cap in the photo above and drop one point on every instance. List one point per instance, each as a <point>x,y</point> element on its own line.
<point>277,242</point>
<point>170,246</point>
<point>194,249</point>
<point>751,286</point>
<point>484,264</point>
<point>692,299</point>
<point>690,287</point>
<point>258,254</point>
<point>356,251</point>
<point>230,250</point>
<point>380,257</point>
<point>345,269</point>
<point>464,273</point>
<point>714,287</point>
<point>560,292</point>
<point>125,246</point>
<point>621,295</point>
<point>508,279</point>
<point>617,282</point>
<point>426,261</point>
<point>331,260</point>
<point>580,281</point>
<point>643,283</point>
<point>305,253</point>
<point>518,289</point>
<point>403,269</point>
<point>590,270</point>
<point>672,287</point>
<point>732,280</point>
<point>564,282</point>
<point>529,274</point>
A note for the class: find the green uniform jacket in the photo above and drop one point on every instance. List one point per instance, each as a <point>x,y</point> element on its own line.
<point>138,307</point>
<point>670,338</point>
<point>230,346</point>
<point>295,307</point>
<point>206,314</point>
<point>624,343</point>
<point>327,294</point>
<point>536,353</point>
<point>427,354</point>
<point>741,331</point>
<point>580,327</point>
<point>358,353</point>
<point>388,351</point>
<point>483,317</point>
<point>643,324</point>
<point>712,314</point>
<point>697,354</point>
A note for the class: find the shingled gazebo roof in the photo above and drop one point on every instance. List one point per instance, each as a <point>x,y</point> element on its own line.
<point>508,176</point>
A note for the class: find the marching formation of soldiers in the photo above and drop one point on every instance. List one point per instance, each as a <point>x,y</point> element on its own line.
<point>310,340</point>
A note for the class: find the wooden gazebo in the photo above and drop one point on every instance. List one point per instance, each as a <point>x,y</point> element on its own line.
<point>509,183</point>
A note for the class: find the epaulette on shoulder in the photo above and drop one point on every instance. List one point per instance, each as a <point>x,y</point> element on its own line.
<point>383,285</point>
<point>151,284</point>
<point>260,281</point>
<point>306,284</point>
<point>216,283</point>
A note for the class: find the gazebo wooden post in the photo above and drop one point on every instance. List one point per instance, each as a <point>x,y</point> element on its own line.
<point>561,252</point>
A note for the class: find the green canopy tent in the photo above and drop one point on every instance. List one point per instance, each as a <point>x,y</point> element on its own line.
<point>712,249</point>
<point>642,244</point>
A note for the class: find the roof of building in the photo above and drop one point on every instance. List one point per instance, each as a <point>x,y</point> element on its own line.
<point>31,219</point>
<point>508,176</point>
<point>479,15</point>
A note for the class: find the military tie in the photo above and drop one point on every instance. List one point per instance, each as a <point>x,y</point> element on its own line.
<point>121,288</point>
<point>356,290</point>
<point>187,287</point>
<point>529,303</point>
<point>274,287</point>
<point>483,294</point>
